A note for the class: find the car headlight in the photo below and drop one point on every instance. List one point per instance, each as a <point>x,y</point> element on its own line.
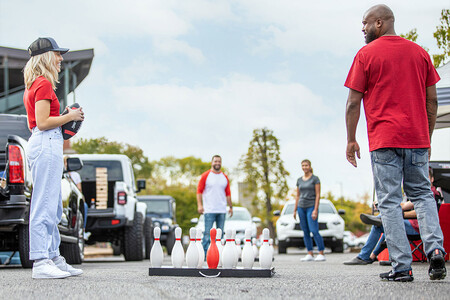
<point>165,227</point>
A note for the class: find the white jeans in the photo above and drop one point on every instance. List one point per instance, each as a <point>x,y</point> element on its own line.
<point>45,159</point>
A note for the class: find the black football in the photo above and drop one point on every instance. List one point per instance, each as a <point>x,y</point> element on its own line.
<point>71,128</point>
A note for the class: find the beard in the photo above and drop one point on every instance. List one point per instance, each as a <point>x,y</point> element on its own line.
<point>217,167</point>
<point>370,37</point>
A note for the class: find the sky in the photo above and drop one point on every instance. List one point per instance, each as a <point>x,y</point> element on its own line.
<point>196,77</point>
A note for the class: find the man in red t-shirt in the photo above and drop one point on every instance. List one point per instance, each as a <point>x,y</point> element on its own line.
<point>396,81</point>
<point>213,194</point>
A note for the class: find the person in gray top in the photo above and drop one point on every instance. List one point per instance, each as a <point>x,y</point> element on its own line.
<point>307,207</point>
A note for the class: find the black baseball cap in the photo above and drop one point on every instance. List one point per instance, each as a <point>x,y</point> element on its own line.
<point>42,45</point>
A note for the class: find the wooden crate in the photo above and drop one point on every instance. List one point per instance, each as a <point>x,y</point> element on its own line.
<point>101,180</point>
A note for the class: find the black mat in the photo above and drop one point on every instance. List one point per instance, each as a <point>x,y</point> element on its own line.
<point>193,272</point>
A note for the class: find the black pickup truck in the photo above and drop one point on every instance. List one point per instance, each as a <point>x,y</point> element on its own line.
<point>16,187</point>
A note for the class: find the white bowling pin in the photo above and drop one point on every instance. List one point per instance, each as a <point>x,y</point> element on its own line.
<point>177,251</point>
<point>265,255</point>
<point>236,255</point>
<point>228,253</point>
<point>156,254</point>
<point>219,245</point>
<point>192,251</point>
<point>201,251</point>
<point>238,247</point>
<point>255,248</point>
<point>271,246</point>
<point>248,257</point>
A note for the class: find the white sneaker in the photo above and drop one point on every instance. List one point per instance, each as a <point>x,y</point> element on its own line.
<point>60,262</point>
<point>46,269</point>
<point>320,257</point>
<point>308,257</point>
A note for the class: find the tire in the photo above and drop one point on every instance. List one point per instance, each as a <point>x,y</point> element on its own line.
<point>170,241</point>
<point>134,244</point>
<point>282,247</point>
<point>24,246</point>
<point>74,253</point>
<point>148,234</point>
<point>338,246</point>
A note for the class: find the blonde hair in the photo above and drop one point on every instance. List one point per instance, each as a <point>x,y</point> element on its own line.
<point>41,65</point>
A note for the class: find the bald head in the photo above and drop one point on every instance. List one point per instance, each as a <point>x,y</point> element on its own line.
<point>378,21</point>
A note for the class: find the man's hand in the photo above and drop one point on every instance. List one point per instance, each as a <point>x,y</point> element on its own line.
<point>200,209</point>
<point>230,212</point>
<point>429,153</point>
<point>352,148</point>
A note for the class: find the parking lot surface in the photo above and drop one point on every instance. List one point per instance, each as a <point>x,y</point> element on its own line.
<point>113,278</point>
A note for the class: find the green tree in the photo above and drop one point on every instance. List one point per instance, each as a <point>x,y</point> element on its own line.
<point>442,36</point>
<point>264,171</point>
<point>142,167</point>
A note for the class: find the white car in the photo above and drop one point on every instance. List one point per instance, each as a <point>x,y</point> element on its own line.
<point>361,241</point>
<point>349,239</point>
<point>240,221</point>
<point>331,227</point>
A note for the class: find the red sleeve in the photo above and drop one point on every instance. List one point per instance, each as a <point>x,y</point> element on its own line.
<point>227,189</point>
<point>44,91</point>
<point>202,182</point>
<point>432,76</point>
<point>356,79</point>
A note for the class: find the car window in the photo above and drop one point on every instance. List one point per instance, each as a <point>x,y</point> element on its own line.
<point>157,206</point>
<point>114,169</point>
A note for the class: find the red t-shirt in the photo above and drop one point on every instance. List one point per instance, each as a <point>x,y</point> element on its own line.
<point>393,74</point>
<point>41,89</point>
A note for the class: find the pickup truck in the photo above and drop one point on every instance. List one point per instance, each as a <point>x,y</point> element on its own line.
<point>114,214</point>
<point>16,188</point>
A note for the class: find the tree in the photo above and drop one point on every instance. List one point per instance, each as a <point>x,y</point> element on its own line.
<point>142,167</point>
<point>264,171</point>
<point>442,36</point>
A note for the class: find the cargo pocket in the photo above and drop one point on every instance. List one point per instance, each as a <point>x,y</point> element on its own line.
<point>419,157</point>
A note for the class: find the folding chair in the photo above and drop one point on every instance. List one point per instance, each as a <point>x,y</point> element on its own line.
<point>417,248</point>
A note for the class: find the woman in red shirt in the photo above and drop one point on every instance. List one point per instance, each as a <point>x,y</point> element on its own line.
<point>45,157</point>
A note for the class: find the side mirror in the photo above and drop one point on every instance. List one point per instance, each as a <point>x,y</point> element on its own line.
<point>74,164</point>
<point>194,220</point>
<point>277,213</point>
<point>256,220</point>
<point>141,185</point>
<point>341,212</point>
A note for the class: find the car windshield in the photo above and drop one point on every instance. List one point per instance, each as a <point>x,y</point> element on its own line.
<point>324,208</point>
<point>157,207</point>
<point>238,215</point>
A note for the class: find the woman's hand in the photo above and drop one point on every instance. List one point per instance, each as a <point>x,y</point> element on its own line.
<point>314,214</point>
<point>295,214</point>
<point>76,114</point>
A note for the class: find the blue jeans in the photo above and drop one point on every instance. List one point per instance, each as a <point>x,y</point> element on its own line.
<point>310,226</point>
<point>391,167</point>
<point>209,221</point>
<point>373,243</point>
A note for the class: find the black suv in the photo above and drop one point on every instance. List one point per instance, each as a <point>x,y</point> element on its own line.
<point>16,188</point>
<point>161,211</point>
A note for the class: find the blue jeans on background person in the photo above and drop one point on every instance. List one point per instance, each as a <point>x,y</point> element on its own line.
<point>210,218</point>
<point>391,167</point>
<point>373,243</point>
<point>310,226</point>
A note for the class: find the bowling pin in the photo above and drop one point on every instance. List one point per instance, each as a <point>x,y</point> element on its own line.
<point>156,254</point>
<point>212,256</point>
<point>177,251</point>
<point>271,246</point>
<point>228,253</point>
<point>201,251</point>
<point>255,248</point>
<point>219,245</point>
<point>248,257</point>
<point>238,247</point>
<point>236,256</point>
<point>265,255</point>
<point>192,251</point>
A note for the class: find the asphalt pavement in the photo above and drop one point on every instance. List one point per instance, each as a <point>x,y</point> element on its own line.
<point>113,278</point>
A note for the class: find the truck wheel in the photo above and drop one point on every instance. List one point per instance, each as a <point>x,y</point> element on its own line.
<point>282,247</point>
<point>134,244</point>
<point>338,246</point>
<point>24,246</point>
<point>74,253</point>
<point>170,241</point>
<point>148,233</point>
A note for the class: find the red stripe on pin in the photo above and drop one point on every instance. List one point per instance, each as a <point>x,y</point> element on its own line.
<point>265,241</point>
<point>156,239</point>
<point>229,240</point>
<point>178,239</point>
<point>248,240</point>
<point>192,240</point>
